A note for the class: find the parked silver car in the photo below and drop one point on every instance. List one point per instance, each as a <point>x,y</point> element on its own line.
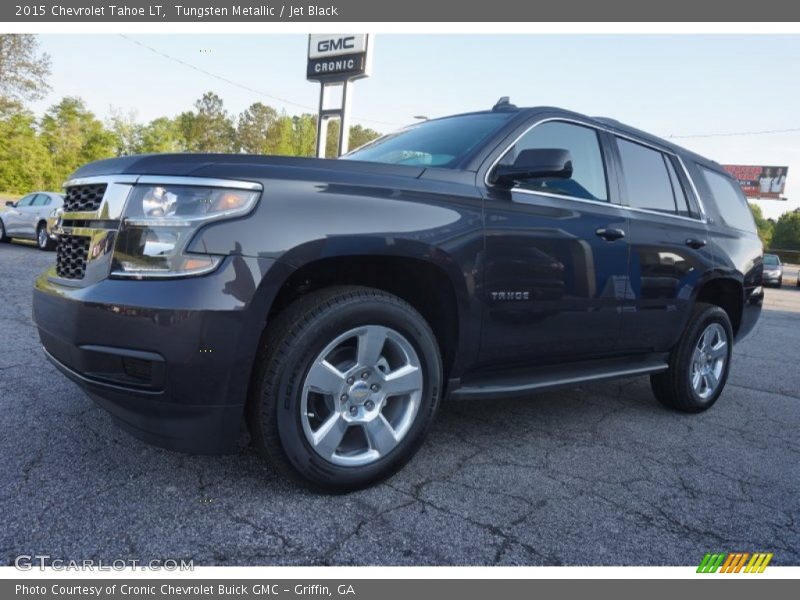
<point>773,270</point>
<point>28,218</point>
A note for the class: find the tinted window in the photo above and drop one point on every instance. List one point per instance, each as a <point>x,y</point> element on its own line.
<point>677,188</point>
<point>646,177</point>
<point>730,202</point>
<point>588,171</point>
<point>26,201</point>
<point>437,143</point>
<point>40,200</point>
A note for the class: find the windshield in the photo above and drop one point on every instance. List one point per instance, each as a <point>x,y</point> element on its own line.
<point>771,260</point>
<point>439,143</point>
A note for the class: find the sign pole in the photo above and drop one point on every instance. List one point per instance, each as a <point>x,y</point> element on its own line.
<point>344,122</point>
<point>337,60</point>
<point>322,124</point>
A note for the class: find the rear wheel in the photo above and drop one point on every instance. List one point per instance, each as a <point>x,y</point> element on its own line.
<point>699,363</point>
<point>347,387</point>
<point>43,240</point>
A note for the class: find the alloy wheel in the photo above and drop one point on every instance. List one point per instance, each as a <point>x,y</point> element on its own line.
<point>361,395</point>
<point>709,360</point>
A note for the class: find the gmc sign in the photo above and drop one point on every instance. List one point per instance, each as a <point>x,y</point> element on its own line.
<point>336,57</point>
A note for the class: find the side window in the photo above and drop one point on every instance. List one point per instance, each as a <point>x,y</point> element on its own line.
<point>40,200</point>
<point>730,202</point>
<point>647,177</point>
<point>588,179</point>
<point>26,201</point>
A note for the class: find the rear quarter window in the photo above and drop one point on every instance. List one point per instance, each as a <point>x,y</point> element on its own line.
<point>729,200</point>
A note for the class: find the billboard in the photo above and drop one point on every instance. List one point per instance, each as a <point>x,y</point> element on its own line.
<point>760,181</point>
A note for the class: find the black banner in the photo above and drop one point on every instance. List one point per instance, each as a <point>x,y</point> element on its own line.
<point>393,589</point>
<point>405,11</point>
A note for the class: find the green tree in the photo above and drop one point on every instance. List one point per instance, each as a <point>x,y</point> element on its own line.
<point>210,128</point>
<point>284,136</point>
<point>358,137</point>
<point>787,232</point>
<point>23,69</point>
<point>25,163</point>
<point>332,141</point>
<point>256,130</point>
<point>74,136</point>
<point>305,135</point>
<point>763,225</point>
<point>160,135</point>
<point>361,135</point>
<point>127,132</point>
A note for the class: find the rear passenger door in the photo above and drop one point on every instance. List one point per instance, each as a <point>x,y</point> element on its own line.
<point>669,245</point>
<point>36,211</point>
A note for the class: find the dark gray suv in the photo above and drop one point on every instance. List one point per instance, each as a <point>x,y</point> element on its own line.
<point>332,304</point>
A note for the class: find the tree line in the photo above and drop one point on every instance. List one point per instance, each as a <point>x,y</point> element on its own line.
<point>783,234</point>
<point>39,153</point>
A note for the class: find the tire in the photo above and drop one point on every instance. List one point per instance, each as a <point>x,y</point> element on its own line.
<point>780,282</point>
<point>3,237</point>
<point>43,241</point>
<point>689,365</point>
<point>294,400</point>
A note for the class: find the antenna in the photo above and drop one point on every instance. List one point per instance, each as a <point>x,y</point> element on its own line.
<point>503,104</point>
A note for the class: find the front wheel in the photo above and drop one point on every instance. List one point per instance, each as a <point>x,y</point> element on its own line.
<point>347,386</point>
<point>699,363</point>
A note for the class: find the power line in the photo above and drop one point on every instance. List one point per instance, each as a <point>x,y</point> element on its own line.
<point>311,108</point>
<point>735,133</point>
<point>236,83</point>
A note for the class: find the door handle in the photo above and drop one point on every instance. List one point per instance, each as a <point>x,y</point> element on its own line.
<point>609,234</point>
<point>695,243</point>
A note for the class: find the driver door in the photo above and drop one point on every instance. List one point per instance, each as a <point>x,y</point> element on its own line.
<point>14,216</point>
<point>556,256</point>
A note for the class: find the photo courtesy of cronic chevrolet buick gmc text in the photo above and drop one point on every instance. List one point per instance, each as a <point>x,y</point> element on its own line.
<point>332,304</point>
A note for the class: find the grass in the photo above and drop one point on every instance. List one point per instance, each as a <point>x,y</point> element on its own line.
<point>5,197</point>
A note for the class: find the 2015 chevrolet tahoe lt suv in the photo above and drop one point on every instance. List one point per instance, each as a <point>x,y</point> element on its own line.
<point>331,304</point>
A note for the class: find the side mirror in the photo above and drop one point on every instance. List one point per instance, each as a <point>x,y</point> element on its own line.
<point>536,163</point>
<point>11,203</point>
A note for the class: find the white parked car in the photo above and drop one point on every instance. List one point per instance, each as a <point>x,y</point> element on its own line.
<point>31,218</point>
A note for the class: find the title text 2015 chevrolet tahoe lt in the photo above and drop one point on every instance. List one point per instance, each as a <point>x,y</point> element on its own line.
<point>331,304</point>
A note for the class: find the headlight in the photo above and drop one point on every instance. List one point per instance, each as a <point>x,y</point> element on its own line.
<point>159,222</point>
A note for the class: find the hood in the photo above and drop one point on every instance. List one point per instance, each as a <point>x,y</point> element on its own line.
<point>243,166</point>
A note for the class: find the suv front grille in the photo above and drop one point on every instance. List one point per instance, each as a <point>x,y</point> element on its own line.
<point>71,256</point>
<point>84,198</point>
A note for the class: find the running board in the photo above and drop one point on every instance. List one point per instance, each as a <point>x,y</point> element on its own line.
<point>519,383</point>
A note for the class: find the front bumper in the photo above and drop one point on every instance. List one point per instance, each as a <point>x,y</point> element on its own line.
<point>772,278</point>
<point>170,359</point>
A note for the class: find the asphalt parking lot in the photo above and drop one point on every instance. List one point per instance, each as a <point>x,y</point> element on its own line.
<point>599,475</point>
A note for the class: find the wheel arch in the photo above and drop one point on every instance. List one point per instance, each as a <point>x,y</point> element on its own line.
<point>424,284</point>
<point>728,294</point>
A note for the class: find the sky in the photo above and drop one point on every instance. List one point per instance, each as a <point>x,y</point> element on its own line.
<point>669,85</point>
